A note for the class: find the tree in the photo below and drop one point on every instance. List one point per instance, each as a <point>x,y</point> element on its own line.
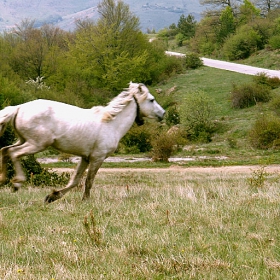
<point>205,39</point>
<point>267,5</point>
<point>248,12</point>
<point>33,49</point>
<point>113,51</point>
<point>215,6</point>
<point>227,24</point>
<point>186,26</point>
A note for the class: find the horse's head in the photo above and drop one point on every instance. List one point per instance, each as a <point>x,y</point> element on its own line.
<point>146,103</point>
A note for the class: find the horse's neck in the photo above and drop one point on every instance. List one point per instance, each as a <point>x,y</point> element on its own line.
<point>125,119</point>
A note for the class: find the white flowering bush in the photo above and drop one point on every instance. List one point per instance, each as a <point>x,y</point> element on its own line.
<point>38,83</point>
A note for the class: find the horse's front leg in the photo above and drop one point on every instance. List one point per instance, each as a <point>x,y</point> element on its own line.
<point>74,181</point>
<point>92,170</point>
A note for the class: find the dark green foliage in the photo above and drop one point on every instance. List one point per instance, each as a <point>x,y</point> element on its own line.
<point>265,132</point>
<point>247,95</point>
<point>186,26</point>
<point>36,175</point>
<point>264,79</point>
<point>172,116</point>
<point>193,61</point>
<point>274,42</point>
<point>242,44</point>
<point>197,117</point>
<point>274,104</point>
<point>49,178</point>
<point>166,143</point>
<point>7,138</point>
<point>163,146</point>
<point>138,139</point>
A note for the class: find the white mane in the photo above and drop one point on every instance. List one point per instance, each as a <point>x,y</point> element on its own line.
<point>139,91</point>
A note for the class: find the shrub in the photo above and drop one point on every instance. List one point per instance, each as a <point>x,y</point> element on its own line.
<point>197,117</point>
<point>264,79</point>
<point>163,146</point>
<point>193,61</point>
<point>247,95</point>
<point>36,175</point>
<point>242,44</point>
<point>172,116</point>
<point>265,132</point>
<point>138,139</point>
<point>274,42</point>
<point>274,104</point>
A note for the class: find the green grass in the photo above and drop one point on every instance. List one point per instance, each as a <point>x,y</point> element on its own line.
<point>264,59</point>
<point>232,123</point>
<point>145,225</point>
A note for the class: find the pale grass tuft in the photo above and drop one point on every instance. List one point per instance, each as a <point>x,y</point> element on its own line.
<point>273,264</point>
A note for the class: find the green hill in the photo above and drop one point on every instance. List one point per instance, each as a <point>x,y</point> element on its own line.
<point>234,124</point>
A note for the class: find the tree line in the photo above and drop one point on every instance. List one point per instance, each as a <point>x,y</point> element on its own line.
<point>229,29</point>
<point>85,67</point>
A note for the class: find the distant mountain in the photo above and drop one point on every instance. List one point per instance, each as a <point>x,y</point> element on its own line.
<point>153,14</point>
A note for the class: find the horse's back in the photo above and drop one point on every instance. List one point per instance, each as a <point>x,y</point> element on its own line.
<point>51,123</point>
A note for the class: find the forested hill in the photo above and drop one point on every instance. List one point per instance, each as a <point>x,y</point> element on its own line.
<point>153,14</point>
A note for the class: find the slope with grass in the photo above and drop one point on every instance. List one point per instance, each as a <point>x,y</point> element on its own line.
<point>233,124</point>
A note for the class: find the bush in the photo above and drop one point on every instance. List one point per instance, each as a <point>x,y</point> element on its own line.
<point>247,95</point>
<point>198,117</point>
<point>36,175</point>
<point>274,104</point>
<point>193,61</point>
<point>264,79</point>
<point>166,143</point>
<point>242,44</point>
<point>172,116</point>
<point>274,42</point>
<point>265,132</point>
<point>138,139</point>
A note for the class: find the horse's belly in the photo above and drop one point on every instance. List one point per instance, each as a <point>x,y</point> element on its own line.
<point>80,146</point>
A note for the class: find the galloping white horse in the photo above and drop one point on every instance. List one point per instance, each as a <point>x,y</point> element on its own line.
<point>93,134</point>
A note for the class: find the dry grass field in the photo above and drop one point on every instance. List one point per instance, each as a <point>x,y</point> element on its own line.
<point>173,223</point>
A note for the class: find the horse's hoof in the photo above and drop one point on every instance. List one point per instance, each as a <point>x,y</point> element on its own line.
<point>53,196</point>
<point>15,189</point>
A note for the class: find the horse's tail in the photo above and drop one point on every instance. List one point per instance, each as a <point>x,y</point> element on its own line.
<point>7,115</point>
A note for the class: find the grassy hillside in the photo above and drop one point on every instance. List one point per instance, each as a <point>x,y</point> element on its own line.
<point>234,124</point>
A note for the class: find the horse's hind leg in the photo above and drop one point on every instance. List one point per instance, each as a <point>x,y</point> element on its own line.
<point>16,152</point>
<point>74,181</point>
<point>4,160</point>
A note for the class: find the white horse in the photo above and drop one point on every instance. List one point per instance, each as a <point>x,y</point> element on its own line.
<point>93,134</point>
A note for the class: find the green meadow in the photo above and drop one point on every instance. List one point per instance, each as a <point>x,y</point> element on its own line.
<point>162,224</point>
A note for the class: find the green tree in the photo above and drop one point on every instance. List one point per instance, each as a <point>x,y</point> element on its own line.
<point>186,26</point>
<point>113,51</point>
<point>248,12</point>
<point>227,24</point>
<point>242,44</point>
